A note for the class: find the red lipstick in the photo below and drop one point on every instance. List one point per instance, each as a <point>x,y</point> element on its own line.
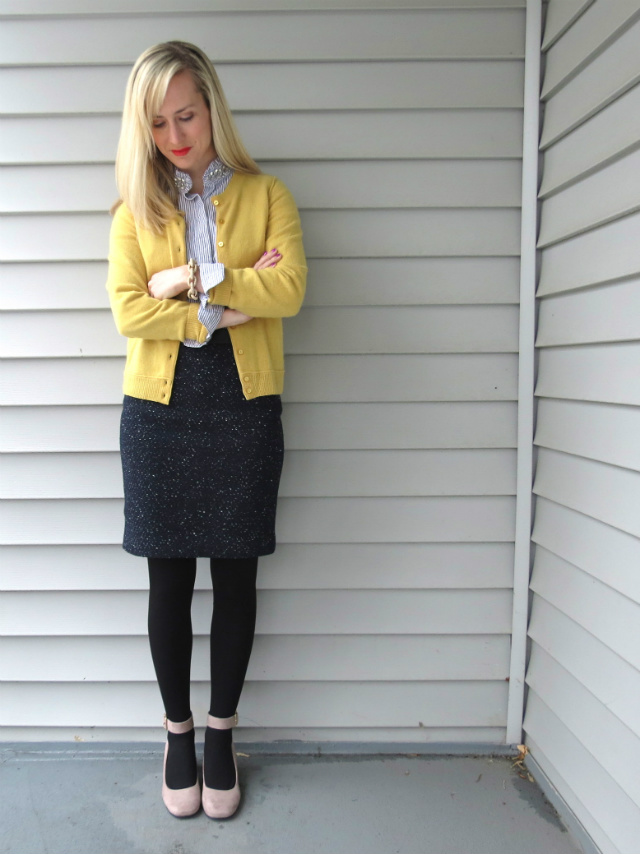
<point>180,152</point>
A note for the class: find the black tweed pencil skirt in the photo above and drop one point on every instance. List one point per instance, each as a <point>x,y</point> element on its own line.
<point>201,475</point>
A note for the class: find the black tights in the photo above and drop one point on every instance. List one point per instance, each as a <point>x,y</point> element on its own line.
<point>171,583</point>
<point>233,623</point>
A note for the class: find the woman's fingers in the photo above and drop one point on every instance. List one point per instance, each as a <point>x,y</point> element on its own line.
<point>269,259</point>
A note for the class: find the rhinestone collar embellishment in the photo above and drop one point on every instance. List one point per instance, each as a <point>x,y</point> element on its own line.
<point>216,169</point>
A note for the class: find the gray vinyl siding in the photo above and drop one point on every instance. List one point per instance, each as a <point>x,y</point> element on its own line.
<point>583,710</point>
<point>385,614</point>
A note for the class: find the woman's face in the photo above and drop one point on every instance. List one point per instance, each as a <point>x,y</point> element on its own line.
<point>182,128</point>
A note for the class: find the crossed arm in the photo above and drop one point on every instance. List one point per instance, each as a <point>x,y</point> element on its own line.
<point>168,284</point>
<point>154,307</point>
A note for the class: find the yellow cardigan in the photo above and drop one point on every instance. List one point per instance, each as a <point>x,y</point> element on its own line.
<point>254,214</point>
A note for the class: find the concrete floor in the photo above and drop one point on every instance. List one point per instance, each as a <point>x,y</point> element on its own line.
<point>92,801</point>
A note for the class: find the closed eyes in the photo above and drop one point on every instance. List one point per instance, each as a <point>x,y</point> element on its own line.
<point>160,125</point>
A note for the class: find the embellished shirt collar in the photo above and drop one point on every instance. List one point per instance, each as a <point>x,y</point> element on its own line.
<point>215,177</point>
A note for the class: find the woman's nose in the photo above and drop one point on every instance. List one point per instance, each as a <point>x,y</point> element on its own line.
<point>175,133</point>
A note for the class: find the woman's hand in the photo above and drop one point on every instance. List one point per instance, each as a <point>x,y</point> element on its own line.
<point>169,283</point>
<point>269,259</point>
<point>231,317</point>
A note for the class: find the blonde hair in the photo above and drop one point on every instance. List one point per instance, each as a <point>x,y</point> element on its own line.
<point>144,176</point>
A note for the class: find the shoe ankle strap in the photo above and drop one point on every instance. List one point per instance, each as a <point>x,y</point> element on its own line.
<point>222,723</point>
<point>178,728</point>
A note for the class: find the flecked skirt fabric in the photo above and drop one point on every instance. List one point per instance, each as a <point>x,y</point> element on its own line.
<point>201,475</point>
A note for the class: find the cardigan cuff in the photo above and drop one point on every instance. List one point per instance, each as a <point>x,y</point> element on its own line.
<point>194,330</point>
<point>221,294</point>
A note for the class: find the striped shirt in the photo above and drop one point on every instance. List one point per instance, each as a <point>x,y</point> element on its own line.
<point>200,217</point>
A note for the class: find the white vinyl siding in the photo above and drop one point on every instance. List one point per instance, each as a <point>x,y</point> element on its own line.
<point>385,614</point>
<point>582,721</point>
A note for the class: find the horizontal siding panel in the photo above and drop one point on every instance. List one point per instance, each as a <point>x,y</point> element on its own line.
<point>608,194</point>
<point>344,330</point>
<point>597,801</point>
<point>609,373</point>
<point>318,566</point>
<point>608,493</point>
<point>341,281</point>
<point>74,285</point>
<point>319,184</point>
<point>609,741</point>
<point>604,137</point>
<point>328,234</point>
<point>600,314</point>
<point>63,237</point>
<point>604,254</point>
<point>61,381</point>
<point>313,426</point>
<point>117,7</point>
<point>355,135</point>
<point>472,329</point>
<point>310,379</point>
<point>292,612</point>
<point>601,432</point>
<point>44,189</point>
<point>62,333</point>
<point>267,86</point>
<point>32,429</point>
<point>306,474</point>
<point>600,25</point>
<point>412,281</point>
<point>400,425</point>
<point>271,36</point>
<point>419,232</point>
<point>423,378</point>
<point>609,75</point>
<point>605,613</point>
<point>300,520</point>
<point>613,681</point>
<point>275,704</point>
<point>606,553</point>
<point>397,658</point>
<point>559,17</point>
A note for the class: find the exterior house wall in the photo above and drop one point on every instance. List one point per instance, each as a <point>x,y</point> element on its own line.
<point>582,721</point>
<point>385,615</point>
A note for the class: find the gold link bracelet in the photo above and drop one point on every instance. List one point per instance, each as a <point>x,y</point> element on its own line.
<point>193,269</point>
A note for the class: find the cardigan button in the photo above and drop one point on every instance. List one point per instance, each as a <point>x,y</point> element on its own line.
<point>221,243</point>
<point>216,202</point>
<point>240,352</point>
<point>249,390</point>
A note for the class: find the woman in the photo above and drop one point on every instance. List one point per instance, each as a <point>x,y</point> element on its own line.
<point>201,437</point>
